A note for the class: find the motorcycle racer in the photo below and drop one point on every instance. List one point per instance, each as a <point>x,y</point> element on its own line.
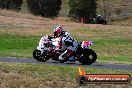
<point>62,47</point>
<point>67,42</point>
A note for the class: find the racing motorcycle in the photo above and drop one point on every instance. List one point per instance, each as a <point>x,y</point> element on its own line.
<point>47,50</point>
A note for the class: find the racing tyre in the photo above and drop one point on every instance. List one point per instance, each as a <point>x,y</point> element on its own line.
<point>40,57</point>
<point>88,57</point>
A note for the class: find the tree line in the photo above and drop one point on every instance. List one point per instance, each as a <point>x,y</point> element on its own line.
<point>11,4</point>
<point>50,8</point>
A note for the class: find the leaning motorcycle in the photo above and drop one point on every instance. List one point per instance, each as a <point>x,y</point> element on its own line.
<point>47,50</point>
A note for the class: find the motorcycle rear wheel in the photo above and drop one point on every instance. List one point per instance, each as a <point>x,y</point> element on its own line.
<point>40,57</point>
<point>88,57</point>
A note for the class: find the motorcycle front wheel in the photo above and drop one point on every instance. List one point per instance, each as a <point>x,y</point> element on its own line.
<point>88,57</point>
<point>40,57</point>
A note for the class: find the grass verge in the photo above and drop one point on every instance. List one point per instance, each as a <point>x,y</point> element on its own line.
<point>14,75</point>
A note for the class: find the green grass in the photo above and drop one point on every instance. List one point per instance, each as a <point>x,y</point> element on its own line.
<point>49,76</point>
<point>19,47</point>
<point>115,59</point>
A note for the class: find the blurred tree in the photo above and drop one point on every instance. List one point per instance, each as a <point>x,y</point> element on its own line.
<point>45,8</point>
<point>82,9</point>
<point>11,4</point>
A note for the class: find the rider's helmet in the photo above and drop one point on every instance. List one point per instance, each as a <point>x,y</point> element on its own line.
<point>98,16</point>
<point>58,31</point>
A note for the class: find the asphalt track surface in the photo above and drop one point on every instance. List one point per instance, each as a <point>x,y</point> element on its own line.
<point>51,62</point>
